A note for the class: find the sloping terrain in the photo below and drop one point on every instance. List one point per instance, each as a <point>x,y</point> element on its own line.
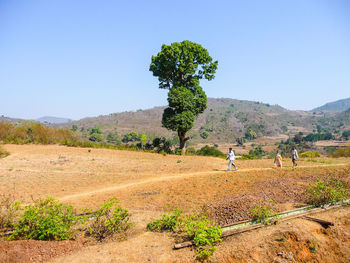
<point>224,120</point>
<point>339,105</point>
<point>148,184</point>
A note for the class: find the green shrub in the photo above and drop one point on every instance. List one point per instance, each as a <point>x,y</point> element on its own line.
<point>108,220</point>
<point>210,151</point>
<point>204,134</point>
<point>324,192</point>
<point>263,214</point>
<point>310,154</point>
<point>205,235</point>
<point>342,152</point>
<point>45,220</point>
<point>166,223</point>
<point>96,137</point>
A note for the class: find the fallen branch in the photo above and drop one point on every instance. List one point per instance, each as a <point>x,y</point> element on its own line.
<point>324,223</point>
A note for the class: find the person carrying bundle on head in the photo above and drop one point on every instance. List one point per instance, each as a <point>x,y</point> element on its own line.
<point>278,160</point>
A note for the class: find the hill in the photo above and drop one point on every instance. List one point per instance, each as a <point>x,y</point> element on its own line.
<point>224,120</point>
<point>53,120</point>
<point>339,105</point>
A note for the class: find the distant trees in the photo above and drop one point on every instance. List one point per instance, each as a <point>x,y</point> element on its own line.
<point>250,134</point>
<point>113,138</point>
<point>179,68</point>
<point>346,135</point>
<point>33,132</point>
<point>96,134</point>
<point>204,134</point>
<point>314,137</point>
<point>134,137</point>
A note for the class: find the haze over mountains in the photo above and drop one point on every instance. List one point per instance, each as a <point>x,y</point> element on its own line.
<point>53,120</point>
<point>224,120</point>
<point>339,105</point>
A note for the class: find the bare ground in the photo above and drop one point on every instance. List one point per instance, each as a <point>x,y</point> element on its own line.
<point>149,184</point>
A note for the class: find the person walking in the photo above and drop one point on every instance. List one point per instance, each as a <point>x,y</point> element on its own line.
<point>278,160</point>
<point>295,157</point>
<point>231,157</point>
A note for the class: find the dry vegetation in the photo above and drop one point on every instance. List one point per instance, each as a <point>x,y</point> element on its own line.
<point>148,184</point>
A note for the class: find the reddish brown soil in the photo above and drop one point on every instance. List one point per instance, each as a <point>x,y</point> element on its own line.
<point>35,251</point>
<point>295,241</point>
<point>282,191</point>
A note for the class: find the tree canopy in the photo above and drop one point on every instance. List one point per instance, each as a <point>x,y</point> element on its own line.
<point>182,64</point>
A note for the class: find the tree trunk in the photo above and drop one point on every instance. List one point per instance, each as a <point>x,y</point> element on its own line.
<point>183,139</point>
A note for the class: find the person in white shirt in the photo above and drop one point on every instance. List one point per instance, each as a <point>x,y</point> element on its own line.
<point>231,157</point>
<point>295,157</point>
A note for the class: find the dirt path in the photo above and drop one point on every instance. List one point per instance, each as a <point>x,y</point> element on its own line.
<point>164,178</point>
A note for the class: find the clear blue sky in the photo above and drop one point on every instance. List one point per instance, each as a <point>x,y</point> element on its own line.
<point>86,58</point>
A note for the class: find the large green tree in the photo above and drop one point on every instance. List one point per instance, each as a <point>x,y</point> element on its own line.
<point>179,68</point>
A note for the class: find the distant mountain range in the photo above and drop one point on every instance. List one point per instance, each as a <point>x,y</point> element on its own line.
<point>224,120</point>
<point>53,120</point>
<point>339,105</point>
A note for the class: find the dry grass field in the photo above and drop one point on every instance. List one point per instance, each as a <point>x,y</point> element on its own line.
<point>148,184</point>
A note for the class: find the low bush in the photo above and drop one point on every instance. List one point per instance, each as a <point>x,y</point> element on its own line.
<point>166,223</point>
<point>310,154</point>
<point>324,192</point>
<point>263,214</point>
<point>45,220</point>
<point>110,219</point>
<point>246,157</point>
<point>342,152</point>
<point>205,235</point>
<point>210,151</point>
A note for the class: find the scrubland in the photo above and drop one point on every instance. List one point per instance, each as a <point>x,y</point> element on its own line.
<point>149,184</point>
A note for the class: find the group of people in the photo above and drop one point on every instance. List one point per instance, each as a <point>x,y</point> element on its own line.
<point>277,163</point>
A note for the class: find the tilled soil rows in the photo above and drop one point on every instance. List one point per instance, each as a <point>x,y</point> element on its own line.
<point>281,190</point>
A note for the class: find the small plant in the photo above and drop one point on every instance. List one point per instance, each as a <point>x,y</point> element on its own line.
<point>89,150</point>
<point>205,235</point>
<point>263,214</point>
<point>166,223</point>
<point>310,154</point>
<point>324,192</point>
<point>313,246</point>
<point>109,220</point>
<point>45,220</point>
<point>178,161</point>
<point>3,153</point>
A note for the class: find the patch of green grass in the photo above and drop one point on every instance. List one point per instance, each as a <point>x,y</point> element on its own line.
<point>263,214</point>
<point>168,222</point>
